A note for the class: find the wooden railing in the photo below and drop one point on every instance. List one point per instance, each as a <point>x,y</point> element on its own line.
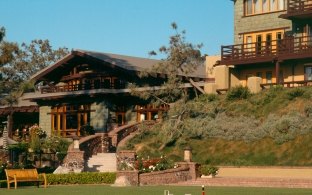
<point>298,6</point>
<point>77,87</point>
<point>287,48</point>
<point>288,84</point>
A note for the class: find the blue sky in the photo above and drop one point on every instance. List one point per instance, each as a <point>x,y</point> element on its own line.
<point>129,27</point>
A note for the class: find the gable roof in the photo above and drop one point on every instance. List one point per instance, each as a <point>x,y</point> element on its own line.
<point>129,63</point>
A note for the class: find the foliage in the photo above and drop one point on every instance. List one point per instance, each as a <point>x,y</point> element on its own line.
<point>308,110</point>
<point>182,58</point>
<point>295,92</point>
<point>19,147</point>
<point>36,131</point>
<point>269,115</point>
<point>81,178</point>
<point>18,62</point>
<point>87,130</point>
<point>209,170</point>
<point>238,93</point>
<point>153,164</point>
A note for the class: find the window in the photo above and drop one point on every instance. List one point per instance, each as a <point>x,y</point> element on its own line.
<point>273,5</point>
<point>263,42</point>
<point>268,77</point>
<point>68,119</point>
<point>263,6</point>
<point>249,7</point>
<point>259,74</point>
<point>257,6</point>
<point>281,4</point>
<point>249,43</point>
<point>308,73</point>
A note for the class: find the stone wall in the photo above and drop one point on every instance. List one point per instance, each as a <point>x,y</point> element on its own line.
<point>45,119</point>
<point>165,177</point>
<point>132,176</point>
<point>260,22</point>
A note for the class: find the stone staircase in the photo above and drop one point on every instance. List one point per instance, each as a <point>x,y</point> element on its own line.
<point>102,162</point>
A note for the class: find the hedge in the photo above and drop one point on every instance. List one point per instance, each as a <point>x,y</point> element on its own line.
<point>81,178</point>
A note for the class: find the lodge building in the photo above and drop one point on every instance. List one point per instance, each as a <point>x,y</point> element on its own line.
<point>87,88</point>
<point>272,46</point>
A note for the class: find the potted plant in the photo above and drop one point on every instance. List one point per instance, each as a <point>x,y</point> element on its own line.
<point>208,171</point>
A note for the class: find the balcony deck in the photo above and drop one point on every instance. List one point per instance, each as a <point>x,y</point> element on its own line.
<point>79,87</point>
<point>260,52</point>
<point>298,9</point>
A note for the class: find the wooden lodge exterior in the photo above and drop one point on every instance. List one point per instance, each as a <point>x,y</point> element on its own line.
<point>272,44</point>
<point>91,89</point>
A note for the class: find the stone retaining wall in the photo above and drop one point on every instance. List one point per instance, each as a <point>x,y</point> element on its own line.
<point>165,177</point>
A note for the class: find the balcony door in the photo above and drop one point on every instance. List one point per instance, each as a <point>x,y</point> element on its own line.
<point>263,42</point>
<point>307,33</point>
<point>308,73</point>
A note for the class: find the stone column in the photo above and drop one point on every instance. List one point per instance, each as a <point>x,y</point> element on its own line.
<point>253,83</point>
<point>45,119</point>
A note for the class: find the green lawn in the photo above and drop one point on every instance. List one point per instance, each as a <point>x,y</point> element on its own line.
<point>148,190</point>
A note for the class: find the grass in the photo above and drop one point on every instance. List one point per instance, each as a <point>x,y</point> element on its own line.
<point>150,190</point>
<point>270,128</point>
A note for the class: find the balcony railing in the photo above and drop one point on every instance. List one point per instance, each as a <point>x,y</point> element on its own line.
<point>78,87</point>
<point>250,53</point>
<point>298,9</point>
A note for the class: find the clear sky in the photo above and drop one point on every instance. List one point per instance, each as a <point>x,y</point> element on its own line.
<point>129,27</point>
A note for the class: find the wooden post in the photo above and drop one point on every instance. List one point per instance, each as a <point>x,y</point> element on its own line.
<point>203,190</point>
<point>277,70</point>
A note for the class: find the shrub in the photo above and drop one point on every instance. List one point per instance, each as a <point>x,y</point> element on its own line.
<point>209,170</point>
<point>208,97</point>
<point>308,110</point>
<point>238,93</point>
<point>294,93</point>
<point>81,178</point>
<point>87,130</point>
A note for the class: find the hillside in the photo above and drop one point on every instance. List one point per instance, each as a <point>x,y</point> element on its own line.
<point>270,128</point>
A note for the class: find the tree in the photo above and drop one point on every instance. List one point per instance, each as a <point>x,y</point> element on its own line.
<point>182,58</point>
<point>19,62</point>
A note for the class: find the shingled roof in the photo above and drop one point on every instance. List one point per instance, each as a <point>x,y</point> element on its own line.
<point>129,63</point>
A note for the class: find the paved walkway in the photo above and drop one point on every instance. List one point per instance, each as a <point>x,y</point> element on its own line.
<point>284,177</point>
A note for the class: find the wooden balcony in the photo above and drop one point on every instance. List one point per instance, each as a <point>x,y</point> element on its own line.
<point>79,87</point>
<point>298,9</point>
<point>261,52</point>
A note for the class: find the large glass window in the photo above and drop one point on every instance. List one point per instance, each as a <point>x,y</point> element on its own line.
<point>268,76</point>
<point>263,6</point>
<point>281,4</point>
<point>257,6</point>
<point>68,119</point>
<point>249,7</point>
<point>273,5</point>
<point>308,73</point>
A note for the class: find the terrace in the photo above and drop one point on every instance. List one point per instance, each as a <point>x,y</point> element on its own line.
<point>298,9</point>
<point>267,51</point>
